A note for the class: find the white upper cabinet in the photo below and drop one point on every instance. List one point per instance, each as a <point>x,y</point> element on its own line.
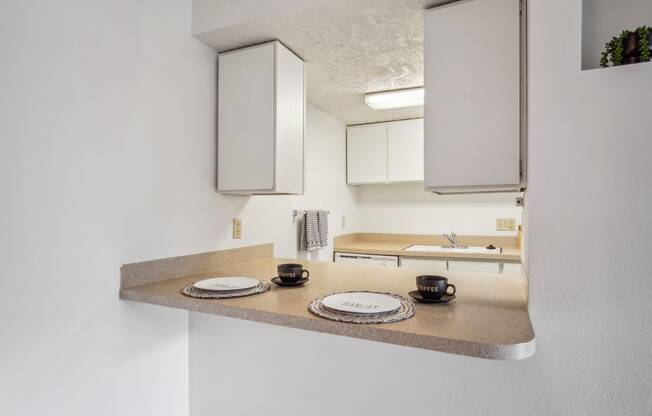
<point>405,151</point>
<point>366,154</point>
<point>260,123</point>
<point>389,152</point>
<point>473,97</point>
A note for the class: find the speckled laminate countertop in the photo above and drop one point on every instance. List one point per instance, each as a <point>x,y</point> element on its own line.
<point>489,318</point>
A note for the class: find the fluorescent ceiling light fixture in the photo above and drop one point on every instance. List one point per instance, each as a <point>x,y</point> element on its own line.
<point>410,97</point>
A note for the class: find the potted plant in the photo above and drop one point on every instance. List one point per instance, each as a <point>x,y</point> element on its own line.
<point>631,53</point>
<point>614,52</point>
<point>628,48</point>
<point>644,43</point>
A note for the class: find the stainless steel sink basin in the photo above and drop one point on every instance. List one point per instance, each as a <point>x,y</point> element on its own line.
<point>451,249</point>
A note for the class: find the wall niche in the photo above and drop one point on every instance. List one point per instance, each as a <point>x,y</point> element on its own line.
<point>602,20</point>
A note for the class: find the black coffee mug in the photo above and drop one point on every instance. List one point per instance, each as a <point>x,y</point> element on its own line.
<point>291,272</point>
<point>434,287</point>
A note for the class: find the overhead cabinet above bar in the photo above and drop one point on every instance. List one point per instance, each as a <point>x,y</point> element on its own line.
<point>260,125</point>
<point>474,81</point>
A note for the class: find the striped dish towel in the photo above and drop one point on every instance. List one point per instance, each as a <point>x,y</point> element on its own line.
<point>322,224</point>
<point>309,232</point>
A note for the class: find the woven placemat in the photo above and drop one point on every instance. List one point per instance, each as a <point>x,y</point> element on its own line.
<point>194,292</point>
<point>405,311</point>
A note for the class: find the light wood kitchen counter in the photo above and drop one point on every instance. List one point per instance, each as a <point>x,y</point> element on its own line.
<point>488,319</point>
<point>395,244</point>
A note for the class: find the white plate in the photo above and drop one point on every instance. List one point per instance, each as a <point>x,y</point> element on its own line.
<point>226,284</point>
<point>361,302</point>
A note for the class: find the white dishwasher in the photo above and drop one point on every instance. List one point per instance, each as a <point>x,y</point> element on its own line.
<point>367,259</point>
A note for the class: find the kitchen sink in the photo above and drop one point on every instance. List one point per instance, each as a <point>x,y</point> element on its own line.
<point>451,249</point>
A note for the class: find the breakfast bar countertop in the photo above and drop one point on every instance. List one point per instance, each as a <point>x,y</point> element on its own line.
<point>488,319</point>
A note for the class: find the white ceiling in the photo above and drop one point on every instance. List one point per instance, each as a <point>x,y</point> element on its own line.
<point>351,47</point>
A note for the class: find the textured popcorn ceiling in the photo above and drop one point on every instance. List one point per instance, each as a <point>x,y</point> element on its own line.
<point>350,48</point>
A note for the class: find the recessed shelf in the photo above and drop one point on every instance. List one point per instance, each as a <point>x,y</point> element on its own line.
<point>604,19</point>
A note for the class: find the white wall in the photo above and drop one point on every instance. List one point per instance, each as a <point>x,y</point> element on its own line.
<point>408,209</point>
<point>589,243</point>
<point>604,19</point>
<point>589,223</point>
<point>106,142</point>
<point>107,156</point>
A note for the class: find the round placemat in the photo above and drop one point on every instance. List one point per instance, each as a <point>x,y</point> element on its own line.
<point>194,292</point>
<point>405,311</point>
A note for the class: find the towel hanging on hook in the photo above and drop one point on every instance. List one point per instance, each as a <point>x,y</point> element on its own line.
<point>313,230</point>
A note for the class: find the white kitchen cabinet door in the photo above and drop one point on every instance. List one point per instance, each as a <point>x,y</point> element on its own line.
<point>405,151</point>
<point>424,266</point>
<point>366,154</point>
<point>261,108</point>
<point>512,268</point>
<point>472,74</point>
<point>473,266</point>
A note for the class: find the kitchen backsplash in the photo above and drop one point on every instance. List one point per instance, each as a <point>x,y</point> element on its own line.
<point>408,209</point>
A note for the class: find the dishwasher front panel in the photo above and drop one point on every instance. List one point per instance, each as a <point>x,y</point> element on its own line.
<point>368,259</point>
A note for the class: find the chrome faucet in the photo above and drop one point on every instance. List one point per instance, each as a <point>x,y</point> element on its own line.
<point>452,238</point>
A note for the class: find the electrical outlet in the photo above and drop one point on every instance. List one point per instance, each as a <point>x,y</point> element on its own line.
<point>505,224</point>
<point>343,222</point>
<point>237,228</point>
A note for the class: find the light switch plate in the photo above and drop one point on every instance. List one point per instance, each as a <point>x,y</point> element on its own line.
<point>505,224</point>
<point>237,228</point>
